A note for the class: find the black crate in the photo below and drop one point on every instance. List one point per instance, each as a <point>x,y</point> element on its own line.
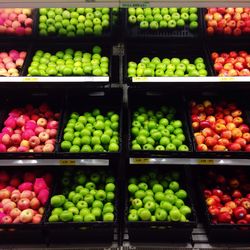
<point>13,100</point>
<point>133,31</point>
<point>135,52</point>
<point>22,46</point>
<point>7,38</point>
<point>106,34</point>
<point>221,232</point>
<point>225,48</point>
<point>220,37</point>
<point>220,95</point>
<point>11,234</point>
<point>77,232</point>
<point>161,231</point>
<point>153,100</point>
<point>105,99</point>
<point>86,47</point>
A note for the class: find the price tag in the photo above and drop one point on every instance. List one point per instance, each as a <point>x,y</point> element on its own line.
<point>227,79</point>
<point>140,160</point>
<point>30,79</point>
<point>67,162</point>
<point>139,79</point>
<point>206,161</point>
<point>135,5</point>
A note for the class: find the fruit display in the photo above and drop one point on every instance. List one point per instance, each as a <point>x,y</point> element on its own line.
<point>30,129</point>
<point>227,196</point>
<point>73,22</point>
<point>158,197</point>
<point>157,130</point>
<point>233,63</point>
<point>163,18</point>
<point>228,21</point>
<point>69,62</point>
<point>169,67</point>
<point>23,196</point>
<point>91,132</point>
<point>11,62</point>
<point>86,197</point>
<point>16,22</point>
<point>219,126</point>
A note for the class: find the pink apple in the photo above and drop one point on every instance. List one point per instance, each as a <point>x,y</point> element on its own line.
<point>2,148</point>
<point>14,213</point>
<point>12,149</point>
<point>16,139</point>
<point>43,136</point>
<point>4,201</point>
<point>48,148</point>
<point>34,141</point>
<point>37,219</point>
<point>26,215</point>
<point>27,134</point>
<point>4,194</point>
<point>30,125</point>
<point>6,220</point>
<point>39,130</point>
<point>52,124</point>
<point>51,141</point>
<point>38,149</point>
<point>35,203</point>
<point>42,122</point>
<point>22,149</point>
<point>8,207</point>
<point>20,121</point>
<point>15,196</point>
<point>10,122</point>
<point>23,204</point>
<point>7,130</point>
<point>27,194</point>
<point>18,131</point>
<point>16,220</point>
<point>6,140</point>
<point>41,210</point>
<point>52,133</point>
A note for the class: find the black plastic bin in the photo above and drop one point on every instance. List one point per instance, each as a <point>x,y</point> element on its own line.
<point>12,234</point>
<point>219,37</point>
<point>7,37</point>
<point>221,232</point>
<point>21,46</point>
<point>135,52</point>
<point>144,231</point>
<point>241,101</point>
<point>154,100</point>
<point>133,31</point>
<point>106,34</point>
<point>85,47</point>
<point>106,100</point>
<point>225,48</point>
<point>36,98</point>
<point>84,233</point>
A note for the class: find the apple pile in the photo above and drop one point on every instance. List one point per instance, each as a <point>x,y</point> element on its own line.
<point>16,22</point>
<point>219,127</point>
<point>91,132</point>
<point>228,197</point>
<point>163,18</point>
<point>232,64</point>
<point>11,62</point>
<point>167,67</point>
<point>228,21</point>
<point>72,22</point>
<point>69,62</point>
<point>23,197</point>
<point>30,129</point>
<point>157,130</point>
<point>157,197</point>
<point>86,197</point>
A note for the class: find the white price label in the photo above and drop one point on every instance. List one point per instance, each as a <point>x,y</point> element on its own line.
<point>134,5</point>
<point>206,161</point>
<point>67,162</point>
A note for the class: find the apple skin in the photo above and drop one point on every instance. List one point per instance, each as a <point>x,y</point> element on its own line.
<point>26,215</point>
<point>23,204</point>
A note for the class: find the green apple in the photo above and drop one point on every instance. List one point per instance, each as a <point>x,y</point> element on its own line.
<point>161,214</point>
<point>89,218</point>
<point>133,217</point>
<point>185,210</point>
<point>175,215</point>
<point>145,214</point>
<point>66,216</point>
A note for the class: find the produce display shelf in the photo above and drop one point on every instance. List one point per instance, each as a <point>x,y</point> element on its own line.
<point>211,79</point>
<point>122,3</point>
<point>189,161</point>
<point>104,79</point>
<point>54,162</point>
